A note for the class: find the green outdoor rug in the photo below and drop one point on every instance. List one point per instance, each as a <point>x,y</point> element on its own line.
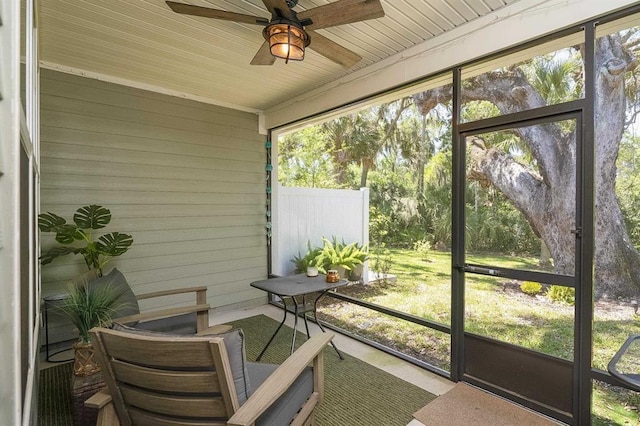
<point>55,404</point>
<point>356,393</point>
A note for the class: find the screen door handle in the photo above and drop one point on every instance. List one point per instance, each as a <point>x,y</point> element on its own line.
<point>482,270</point>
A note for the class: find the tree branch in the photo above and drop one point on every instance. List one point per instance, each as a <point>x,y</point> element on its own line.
<point>522,187</point>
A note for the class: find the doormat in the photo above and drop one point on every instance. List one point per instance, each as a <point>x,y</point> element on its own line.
<point>467,405</point>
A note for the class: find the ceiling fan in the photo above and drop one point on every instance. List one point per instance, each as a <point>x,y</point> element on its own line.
<point>288,32</point>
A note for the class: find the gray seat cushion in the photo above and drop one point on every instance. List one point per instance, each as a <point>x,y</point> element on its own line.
<point>179,324</point>
<point>285,408</point>
<point>127,302</point>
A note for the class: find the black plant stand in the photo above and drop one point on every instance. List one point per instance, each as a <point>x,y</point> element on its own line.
<point>51,302</point>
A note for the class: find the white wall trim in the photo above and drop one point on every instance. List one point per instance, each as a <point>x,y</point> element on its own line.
<point>10,352</point>
<point>143,86</point>
<point>523,21</point>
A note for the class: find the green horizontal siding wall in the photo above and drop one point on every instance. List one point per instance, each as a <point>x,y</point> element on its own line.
<point>185,179</point>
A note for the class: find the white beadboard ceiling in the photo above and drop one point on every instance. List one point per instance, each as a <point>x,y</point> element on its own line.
<point>144,43</point>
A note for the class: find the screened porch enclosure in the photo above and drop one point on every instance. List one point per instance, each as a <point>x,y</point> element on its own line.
<point>162,120</point>
<point>504,300</point>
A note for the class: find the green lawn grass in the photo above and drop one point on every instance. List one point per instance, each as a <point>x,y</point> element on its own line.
<point>495,308</point>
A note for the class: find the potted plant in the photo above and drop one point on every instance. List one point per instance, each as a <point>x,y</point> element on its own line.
<point>339,256</point>
<point>361,253</point>
<point>87,304</point>
<point>309,262</point>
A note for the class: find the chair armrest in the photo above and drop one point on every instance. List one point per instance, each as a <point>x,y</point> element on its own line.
<point>215,329</point>
<point>172,292</point>
<point>201,307</point>
<point>280,380</point>
<point>99,399</point>
<point>163,313</point>
<point>107,415</point>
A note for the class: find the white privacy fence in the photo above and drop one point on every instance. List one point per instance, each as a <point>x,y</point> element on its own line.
<point>308,214</point>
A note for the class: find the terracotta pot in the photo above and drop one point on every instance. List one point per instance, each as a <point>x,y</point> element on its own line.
<point>84,362</point>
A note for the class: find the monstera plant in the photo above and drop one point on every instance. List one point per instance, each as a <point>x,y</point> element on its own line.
<point>78,237</point>
<point>86,304</point>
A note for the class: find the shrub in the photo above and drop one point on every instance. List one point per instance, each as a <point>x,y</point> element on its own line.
<point>531,288</point>
<point>423,247</point>
<point>381,261</point>
<point>562,294</point>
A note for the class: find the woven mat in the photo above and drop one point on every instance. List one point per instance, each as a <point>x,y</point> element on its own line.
<point>466,405</point>
<point>356,393</point>
<point>55,403</point>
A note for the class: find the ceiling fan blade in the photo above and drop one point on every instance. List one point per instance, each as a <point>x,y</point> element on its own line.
<point>341,12</point>
<point>333,51</point>
<point>263,56</point>
<point>188,9</point>
<point>281,6</point>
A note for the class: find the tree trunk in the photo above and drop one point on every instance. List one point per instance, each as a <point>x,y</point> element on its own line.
<point>546,197</point>
<point>420,162</point>
<point>366,165</point>
<point>544,260</point>
<point>617,263</point>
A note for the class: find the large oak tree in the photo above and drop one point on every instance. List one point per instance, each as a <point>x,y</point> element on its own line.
<point>546,195</point>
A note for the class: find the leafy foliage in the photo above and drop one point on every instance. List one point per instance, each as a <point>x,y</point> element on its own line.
<point>305,160</point>
<point>628,185</point>
<point>331,255</point>
<point>423,248</point>
<point>562,294</point>
<point>92,217</point>
<point>531,288</point>
<point>89,306</point>
<point>96,253</point>
<point>381,260</point>
<point>311,258</point>
<point>338,254</point>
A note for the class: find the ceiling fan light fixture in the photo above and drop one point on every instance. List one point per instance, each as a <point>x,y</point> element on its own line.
<point>287,40</point>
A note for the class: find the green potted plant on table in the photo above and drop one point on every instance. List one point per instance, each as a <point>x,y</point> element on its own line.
<point>339,256</point>
<point>87,305</point>
<point>309,262</point>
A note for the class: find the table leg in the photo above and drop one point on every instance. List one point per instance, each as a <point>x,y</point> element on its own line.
<point>295,324</point>
<point>284,318</point>
<point>315,317</point>
<point>304,317</point>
